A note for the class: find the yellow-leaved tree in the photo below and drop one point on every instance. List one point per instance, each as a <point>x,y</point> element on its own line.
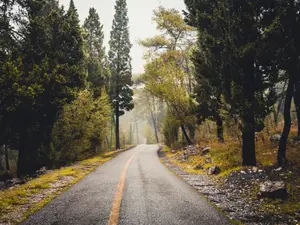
<point>168,72</point>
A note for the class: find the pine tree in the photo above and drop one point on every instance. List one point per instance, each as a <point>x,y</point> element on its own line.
<point>235,49</point>
<point>53,72</point>
<point>7,40</point>
<point>286,37</point>
<point>120,65</point>
<point>96,59</point>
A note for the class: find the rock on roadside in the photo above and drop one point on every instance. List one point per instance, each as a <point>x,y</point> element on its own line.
<point>271,189</point>
<point>275,138</point>
<point>214,170</point>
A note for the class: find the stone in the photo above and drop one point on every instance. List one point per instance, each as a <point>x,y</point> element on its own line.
<point>271,189</point>
<point>275,138</point>
<point>14,181</point>
<point>205,150</point>
<point>255,169</point>
<point>185,155</point>
<point>208,160</point>
<point>214,170</point>
<point>41,171</point>
<point>278,169</point>
<point>198,167</point>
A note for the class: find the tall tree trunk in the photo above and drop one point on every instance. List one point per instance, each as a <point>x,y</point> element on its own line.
<point>154,126</point>
<point>1,155</point>
<point>156,135</point>
<point>281,156</point>
<point>117,128</point>
<point>276,113</point>
<point>26,162</point>
<point>248,136</point>
<point>137,133</point>
<point>297,104</point>
<point>220,131</point>
<point>248,119</point>
<point>107,142</point>
<point>185,134</point>
<point>6,159</point>
<point>130,133</point>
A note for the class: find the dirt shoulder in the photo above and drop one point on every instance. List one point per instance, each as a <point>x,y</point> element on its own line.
<point>235,192</point>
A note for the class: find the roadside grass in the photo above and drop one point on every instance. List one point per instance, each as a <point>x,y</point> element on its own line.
<point>19,202</point>
<point>228,157</point>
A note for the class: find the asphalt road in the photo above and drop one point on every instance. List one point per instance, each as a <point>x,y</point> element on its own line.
<point>151,195</point>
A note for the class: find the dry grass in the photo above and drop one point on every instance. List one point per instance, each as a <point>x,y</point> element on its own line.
<point>229,158</point>
<point>19,202</point>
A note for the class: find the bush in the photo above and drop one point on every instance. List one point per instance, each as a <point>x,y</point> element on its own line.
<point>81,128</point>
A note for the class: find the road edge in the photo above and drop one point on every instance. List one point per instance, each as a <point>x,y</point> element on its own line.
<point>84,168</point>
<point>163,159</point>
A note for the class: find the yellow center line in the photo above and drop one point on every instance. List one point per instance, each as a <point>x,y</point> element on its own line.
<point>115,210</point>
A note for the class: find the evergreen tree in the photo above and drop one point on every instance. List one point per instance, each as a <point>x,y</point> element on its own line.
<point>96,59</point>
<point>234,48</point>
<point>6,31</point>
<point>286,37</point>
<point>10,69</point>
<point>120,65</point>
<point>53,73</point>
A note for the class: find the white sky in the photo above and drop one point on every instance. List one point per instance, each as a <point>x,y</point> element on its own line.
<point>140,14</point>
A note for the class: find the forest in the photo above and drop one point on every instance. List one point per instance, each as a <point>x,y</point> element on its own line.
<point>59,88</point>
<point>228,62</point>
<point>227,67</point>
<point>219,94</point>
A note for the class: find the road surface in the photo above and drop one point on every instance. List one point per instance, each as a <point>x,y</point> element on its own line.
<point>134,188</point>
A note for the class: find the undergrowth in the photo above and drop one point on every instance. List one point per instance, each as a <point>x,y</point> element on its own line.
<point>228,156</point>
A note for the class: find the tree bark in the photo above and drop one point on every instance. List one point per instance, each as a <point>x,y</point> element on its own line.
<point>117,128</point>
<point>220,131</point>
<point>297,104</point>
<point>6,159</point>
<point>248,136</point>
<point>281,156</point>
<point>137,133</point>
<point>248,119</point>
<point>154,126</point>
<point>2,168</point>
<point>276,113</point>
<point>26,163</point>
<point>107,142</point>
<point>185,134</point>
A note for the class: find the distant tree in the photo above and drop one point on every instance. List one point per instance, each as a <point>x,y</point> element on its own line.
<point>96,58</point>
<point>164,78</point>
<point>168,56</point>
<point>150,108</point>
<point>120,65</point>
